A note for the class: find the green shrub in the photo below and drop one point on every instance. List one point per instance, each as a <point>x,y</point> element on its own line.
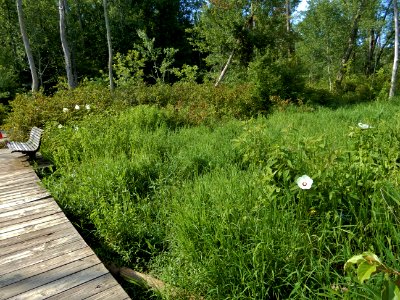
<point>277,77</point>
<point>28,110</point>
<point>3,113</point>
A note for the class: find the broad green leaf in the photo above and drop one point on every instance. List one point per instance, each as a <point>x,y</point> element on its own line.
<point>365,270</point>
<point>354,260</point>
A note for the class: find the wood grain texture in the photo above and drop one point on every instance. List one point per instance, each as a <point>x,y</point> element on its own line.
<point>42,256</point>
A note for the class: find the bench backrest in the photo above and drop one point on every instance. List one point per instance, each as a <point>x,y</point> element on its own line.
<point>35,136</point>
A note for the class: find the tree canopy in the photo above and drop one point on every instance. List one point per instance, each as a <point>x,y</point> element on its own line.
<point>335,45</point>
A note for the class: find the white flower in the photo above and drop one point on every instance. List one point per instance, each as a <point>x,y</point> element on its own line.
<point>77,107</point>
<point>65,109</point>
<point>364,126</point>
<point>76,128</point>
<point>304,182</point>
<point>59,126</point>
<point>87,106</point>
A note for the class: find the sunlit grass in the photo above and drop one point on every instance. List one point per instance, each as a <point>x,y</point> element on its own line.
<point>217,211</point>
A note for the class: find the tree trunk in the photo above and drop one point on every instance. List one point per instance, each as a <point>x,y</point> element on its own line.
<point>110,54</point>
<point>35,78</point>
<point>289,26</point>
<point>369,67</point>
<point>64,43</point>
<point>349,50</point>
<point>224,69</point>
<point>396,50</point>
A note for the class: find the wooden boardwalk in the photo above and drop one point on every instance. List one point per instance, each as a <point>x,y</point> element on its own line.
<point>42,256</point>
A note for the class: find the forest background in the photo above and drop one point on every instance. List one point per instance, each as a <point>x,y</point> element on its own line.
<point>334,48</point>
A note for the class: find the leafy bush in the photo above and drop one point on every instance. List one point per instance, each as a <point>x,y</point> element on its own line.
<point>3,113</point>
<point>188,102</point>
<point>199,103</point>
<point>277,77</point>
<point>28,110</point>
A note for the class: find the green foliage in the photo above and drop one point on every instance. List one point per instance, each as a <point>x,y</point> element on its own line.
<point>8,82</point>
<point>160,66</point>
<point>3,113</point>
<point>216,210</point>
<point>186,73</point>
<point>197,103</point>
<point>28,110</point>
<point>128,68</point>
<point>368,264</point>
<point>277,77</point>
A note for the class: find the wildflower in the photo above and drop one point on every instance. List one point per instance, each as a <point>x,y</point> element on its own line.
<point>65,109</point>
<point>304,182</point>
<point>87,106</point>
<point>364,126</point>
<point>59,126</point>
<point>77,107</point>
<point>76,128</point>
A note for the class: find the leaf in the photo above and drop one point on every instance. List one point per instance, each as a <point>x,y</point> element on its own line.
<point>371,258</point>
<point>365,270</point>
<point>354,260</point>
<point>390,291</point>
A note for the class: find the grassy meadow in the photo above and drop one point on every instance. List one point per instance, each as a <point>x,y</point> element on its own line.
<point>214,210</point>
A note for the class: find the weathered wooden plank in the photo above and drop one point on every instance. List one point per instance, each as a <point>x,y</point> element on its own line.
<point>27,177</point>
<point>25,197</point>
<point>56,280</point>
<point>87,289</point>
<point>39,256</point>
<point>17,275</point>
<point>16,185</point>
<point>15,173</point>
<point>16,177</point>
<point>115,292</point>
<point>28,223</point>
<point>38,248</point>
<point>52,288</point>
<point>44,213</point>
<point>33,227</point>
<point>33,208</point>
<point>10,251</point>
<point>27,240</point>
<point>25,202</point>
<point>20,190</point>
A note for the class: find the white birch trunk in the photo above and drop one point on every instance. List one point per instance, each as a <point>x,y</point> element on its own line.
<point>224,69</point>
<point>64,43</point>
<point>35,77</point>
<point>110,52</point>
<point>396,50</point>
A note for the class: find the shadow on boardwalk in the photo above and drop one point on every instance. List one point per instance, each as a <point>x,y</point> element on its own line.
<point>42,255</point>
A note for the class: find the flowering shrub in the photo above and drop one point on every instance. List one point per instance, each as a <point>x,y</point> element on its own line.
<point>36,110</point>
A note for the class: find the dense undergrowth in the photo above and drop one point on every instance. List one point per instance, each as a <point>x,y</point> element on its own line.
<point>214,209</point>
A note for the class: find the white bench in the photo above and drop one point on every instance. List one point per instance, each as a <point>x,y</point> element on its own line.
<point>31,146</point>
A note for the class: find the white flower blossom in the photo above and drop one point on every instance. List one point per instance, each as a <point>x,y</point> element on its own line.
<point>364,126</point>
<point>304,182</point>
<point>65,109</point>
<point>87,106</point>
<point>59,126</point>
<point>77,107</point>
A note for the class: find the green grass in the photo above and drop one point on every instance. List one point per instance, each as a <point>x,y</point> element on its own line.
<point>215,210</point>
